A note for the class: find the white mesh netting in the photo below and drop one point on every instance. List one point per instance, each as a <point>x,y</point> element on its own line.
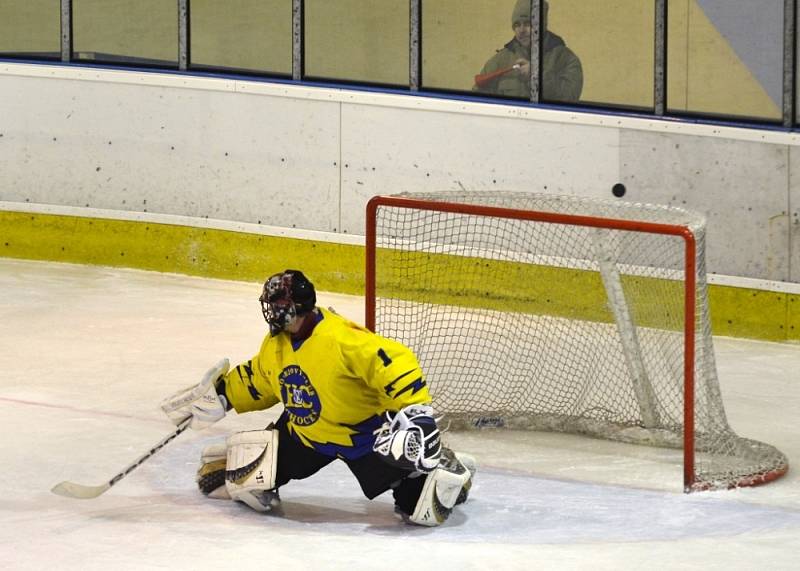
<point>559,326</point>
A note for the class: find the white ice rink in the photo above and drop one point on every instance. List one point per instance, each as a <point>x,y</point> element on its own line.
<point>87,353</point>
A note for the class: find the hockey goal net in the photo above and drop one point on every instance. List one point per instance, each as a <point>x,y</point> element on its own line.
<point>563,314</point>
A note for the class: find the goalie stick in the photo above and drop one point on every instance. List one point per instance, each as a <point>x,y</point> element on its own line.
<point>83,492</point>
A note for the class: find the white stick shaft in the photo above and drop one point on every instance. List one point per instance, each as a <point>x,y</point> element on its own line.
<point>80,491</point>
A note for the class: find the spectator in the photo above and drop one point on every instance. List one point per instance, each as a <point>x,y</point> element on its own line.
<point>562,74</point>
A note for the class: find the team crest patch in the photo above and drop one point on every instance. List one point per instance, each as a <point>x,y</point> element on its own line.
<point>299,396</point>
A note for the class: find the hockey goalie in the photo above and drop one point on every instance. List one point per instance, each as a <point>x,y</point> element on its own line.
<point>347,393</point>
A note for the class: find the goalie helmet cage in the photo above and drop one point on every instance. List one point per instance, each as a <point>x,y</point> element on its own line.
<point>560,313</point>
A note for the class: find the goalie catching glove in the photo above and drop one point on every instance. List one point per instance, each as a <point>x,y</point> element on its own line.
<point>410,439</point>
<point>199,402</point>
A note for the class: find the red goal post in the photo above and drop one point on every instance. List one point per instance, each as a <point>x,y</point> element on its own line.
<point>433,229</point>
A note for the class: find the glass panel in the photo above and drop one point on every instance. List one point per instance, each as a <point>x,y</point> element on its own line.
<point>614,41</point>
<point>143,32</point>
<point>30,28</point>
<point>458,37</point>
<point>249,35</point>
<point>725,58</point>
<point>599,52</point>
<point>357,40</point>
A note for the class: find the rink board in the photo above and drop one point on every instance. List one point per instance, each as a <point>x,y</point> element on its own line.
<point>336,267</point>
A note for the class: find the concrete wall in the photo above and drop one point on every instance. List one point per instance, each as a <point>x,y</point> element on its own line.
<point>308,158</point>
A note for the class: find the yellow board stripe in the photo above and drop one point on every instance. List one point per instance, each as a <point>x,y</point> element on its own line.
<point>518,287</point>
<point>178,249</point>
<point>223,254</point>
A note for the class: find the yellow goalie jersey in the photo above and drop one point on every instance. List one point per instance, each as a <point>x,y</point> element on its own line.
<point>334,385</point>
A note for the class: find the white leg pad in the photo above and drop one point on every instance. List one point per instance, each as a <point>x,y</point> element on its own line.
<point>211,474</point>
<point>439,494</point>
<point>252,462</point>
<point>214,452</point>
<point>468,461</point>
<point>471,465</point>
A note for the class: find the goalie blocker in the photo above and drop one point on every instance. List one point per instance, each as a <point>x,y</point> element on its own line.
<point>253,465</point>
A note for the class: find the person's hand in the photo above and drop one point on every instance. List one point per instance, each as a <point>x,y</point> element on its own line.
<point>523,67</point>
<point>199,402</point>
<point>410,439</point>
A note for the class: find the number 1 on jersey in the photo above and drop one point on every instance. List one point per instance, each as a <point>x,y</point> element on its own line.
<point>384,357</point>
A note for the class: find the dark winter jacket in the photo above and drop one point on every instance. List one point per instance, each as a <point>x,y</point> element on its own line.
<point>562,74</point>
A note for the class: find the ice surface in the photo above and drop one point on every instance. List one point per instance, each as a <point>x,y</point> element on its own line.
<point>87,353</point>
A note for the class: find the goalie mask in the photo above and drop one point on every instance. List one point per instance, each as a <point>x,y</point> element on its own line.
<point>286,296</point>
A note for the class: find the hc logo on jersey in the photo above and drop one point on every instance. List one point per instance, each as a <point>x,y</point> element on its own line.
<point>299,396</point>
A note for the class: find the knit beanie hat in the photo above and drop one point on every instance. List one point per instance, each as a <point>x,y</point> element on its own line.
<point>522,11</point>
